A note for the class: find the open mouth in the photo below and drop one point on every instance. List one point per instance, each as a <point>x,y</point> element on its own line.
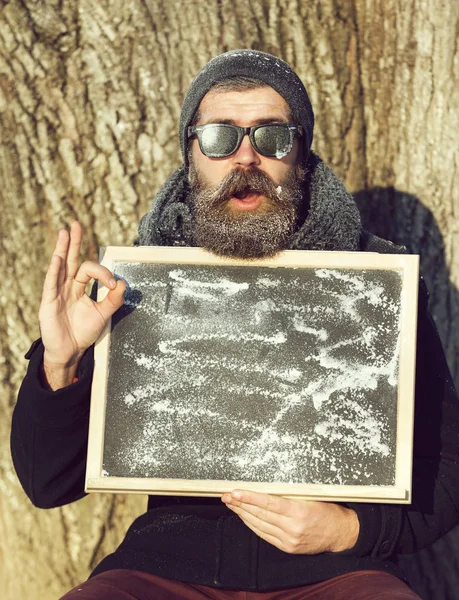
<point>246,200</point>
<point>245,193</point>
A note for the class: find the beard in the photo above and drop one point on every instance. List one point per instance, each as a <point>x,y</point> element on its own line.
<point>261,232</point>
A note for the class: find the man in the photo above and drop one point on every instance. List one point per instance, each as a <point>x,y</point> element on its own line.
<point>249,187</point>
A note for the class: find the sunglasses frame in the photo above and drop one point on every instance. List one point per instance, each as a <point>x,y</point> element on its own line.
<point>242,132</point>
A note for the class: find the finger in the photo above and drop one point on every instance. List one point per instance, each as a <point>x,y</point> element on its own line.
<point>73,255</point>
<point>51,284</point>
<point>261,514</point>
<point>267,502</point>
<point>93,270</point>
<point>112,301</point>
<point>265,526</point>
<point>61,249</point>
<point>268,537</point>
<point>62,243</point>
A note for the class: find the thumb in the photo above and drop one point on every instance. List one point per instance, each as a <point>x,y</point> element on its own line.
<point>113,300</point>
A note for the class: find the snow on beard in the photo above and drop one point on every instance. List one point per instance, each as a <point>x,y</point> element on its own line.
<point>264,231</point>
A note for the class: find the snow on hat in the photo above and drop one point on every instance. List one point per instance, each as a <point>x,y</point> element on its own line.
<point>249,63</point>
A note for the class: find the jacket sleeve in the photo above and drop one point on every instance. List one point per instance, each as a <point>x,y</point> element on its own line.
<point>49,434</point>
<point>389,529</point>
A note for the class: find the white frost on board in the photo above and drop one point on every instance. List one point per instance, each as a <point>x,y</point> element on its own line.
<point>224,286</point>
<point>268,282</point>
<point>277,338</point>
<point>362,290</point>
<point>341,374</point>
<point>299,325</point>
<point>280,368</point>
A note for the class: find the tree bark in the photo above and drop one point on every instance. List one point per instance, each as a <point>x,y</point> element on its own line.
<point>90,96</point>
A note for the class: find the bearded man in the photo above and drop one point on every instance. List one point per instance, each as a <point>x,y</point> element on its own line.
<point>250,186</point>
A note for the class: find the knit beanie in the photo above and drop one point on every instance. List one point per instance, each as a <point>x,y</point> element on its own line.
<point>249,63</point>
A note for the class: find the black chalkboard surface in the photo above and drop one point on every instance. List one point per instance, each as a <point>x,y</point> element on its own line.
<point>293,375</point>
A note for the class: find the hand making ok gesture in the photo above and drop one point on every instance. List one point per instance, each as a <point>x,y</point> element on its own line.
<point>69,320</point>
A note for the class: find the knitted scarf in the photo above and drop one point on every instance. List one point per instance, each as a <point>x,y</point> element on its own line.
<point>332,222</point>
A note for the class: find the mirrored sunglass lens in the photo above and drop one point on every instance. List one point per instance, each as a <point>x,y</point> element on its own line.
<point>273,140</point>
<point>219,140</point>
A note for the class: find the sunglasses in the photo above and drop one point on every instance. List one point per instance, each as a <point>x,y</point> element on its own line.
<point>217,140</point>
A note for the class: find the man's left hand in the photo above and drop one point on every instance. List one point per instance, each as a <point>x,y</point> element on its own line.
<point>295,526</point>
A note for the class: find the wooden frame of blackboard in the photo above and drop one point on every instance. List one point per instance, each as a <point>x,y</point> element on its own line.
<point>407,265</point>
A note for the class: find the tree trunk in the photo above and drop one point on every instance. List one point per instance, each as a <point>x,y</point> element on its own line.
<point>90,95</point>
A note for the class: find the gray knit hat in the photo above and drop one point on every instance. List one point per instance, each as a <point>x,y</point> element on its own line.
<point>249,63</point>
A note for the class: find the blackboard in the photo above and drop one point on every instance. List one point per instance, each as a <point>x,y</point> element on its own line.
<point>283,374</point>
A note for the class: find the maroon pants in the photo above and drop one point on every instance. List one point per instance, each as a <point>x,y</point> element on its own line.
<point>134,585</point>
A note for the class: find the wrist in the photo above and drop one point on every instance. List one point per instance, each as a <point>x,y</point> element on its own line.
<point>347,531</point>
<point>55,375</point>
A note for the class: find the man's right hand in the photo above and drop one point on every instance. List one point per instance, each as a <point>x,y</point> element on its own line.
<point>69,320</point>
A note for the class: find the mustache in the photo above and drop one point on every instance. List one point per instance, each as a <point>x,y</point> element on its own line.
<point>241,181</point>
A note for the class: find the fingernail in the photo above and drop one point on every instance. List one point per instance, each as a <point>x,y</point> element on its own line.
<point>112,283</point>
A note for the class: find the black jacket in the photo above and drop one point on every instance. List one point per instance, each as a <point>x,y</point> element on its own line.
<point>199,540</point>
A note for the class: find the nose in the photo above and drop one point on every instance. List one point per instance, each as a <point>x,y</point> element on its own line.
<point>246,155</point>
